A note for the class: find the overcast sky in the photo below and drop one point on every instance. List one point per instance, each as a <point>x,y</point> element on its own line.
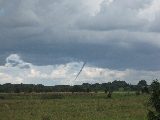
<point>47,41</point>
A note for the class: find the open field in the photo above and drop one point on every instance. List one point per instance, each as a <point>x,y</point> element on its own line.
<point>77,106</point>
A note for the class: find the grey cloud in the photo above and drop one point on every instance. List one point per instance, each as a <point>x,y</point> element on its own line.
<point>18,14</point>
<point>60,31</point>
<point>111,55</point>
<point>155,26</point>
<point>120,14</point>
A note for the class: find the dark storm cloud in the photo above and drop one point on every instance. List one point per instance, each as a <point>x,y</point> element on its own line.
<point>110,55</point>
<point>120,35</point>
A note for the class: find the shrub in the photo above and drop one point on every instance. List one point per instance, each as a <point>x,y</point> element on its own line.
<point>109,95</point>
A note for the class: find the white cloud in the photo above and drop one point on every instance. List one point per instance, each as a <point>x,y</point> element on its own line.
<point>93,6</point>
<point>15,60</point>
<point>8,78</point>
<point>65,73</point>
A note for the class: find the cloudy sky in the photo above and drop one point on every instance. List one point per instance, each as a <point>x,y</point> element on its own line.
<point>47,42</point>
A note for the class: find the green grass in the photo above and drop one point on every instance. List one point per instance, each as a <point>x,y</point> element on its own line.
<point>77,106</point>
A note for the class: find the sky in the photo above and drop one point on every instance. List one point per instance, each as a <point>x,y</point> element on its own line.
<point>47,42</point>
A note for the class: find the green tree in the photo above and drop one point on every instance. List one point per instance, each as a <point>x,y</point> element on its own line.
<point>77,88</point>
<point>145,90</point>
<point>154,101</point>
<point>142,83</point>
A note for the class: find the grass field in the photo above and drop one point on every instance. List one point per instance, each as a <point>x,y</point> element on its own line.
<point>77,106</point>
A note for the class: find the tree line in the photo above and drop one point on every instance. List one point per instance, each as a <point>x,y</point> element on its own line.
<point>85,87</point>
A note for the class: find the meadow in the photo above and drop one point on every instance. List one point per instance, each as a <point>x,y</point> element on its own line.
<point>73,106</point>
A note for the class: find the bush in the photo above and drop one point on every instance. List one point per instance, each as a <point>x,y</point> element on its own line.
<point>109,95</point>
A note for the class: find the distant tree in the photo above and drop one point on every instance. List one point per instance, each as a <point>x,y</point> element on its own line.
<point>87,90</point>
<point>29,90</point>
<point>96,87</point>
<point>77,88</point>
<point>145,90</point>
<point>154,101</point>
<point>86,85</point>
<point>109,91</point>
<point>96,91</point>
<point>17,90</point>
<point>142,83</point>
<point>128,89</point>
<point>106,90</point>
<point>142,86</point>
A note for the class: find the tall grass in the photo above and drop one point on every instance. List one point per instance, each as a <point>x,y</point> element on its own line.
<point>68,106</point>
